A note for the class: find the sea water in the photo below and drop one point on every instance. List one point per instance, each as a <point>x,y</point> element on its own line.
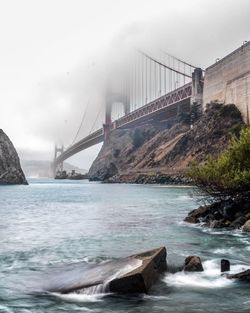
<point>54,233</point>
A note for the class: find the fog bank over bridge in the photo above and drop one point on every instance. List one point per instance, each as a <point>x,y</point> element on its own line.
<point>152,90</point>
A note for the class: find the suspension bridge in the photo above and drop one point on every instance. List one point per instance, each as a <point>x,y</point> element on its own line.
<point>148,90</point>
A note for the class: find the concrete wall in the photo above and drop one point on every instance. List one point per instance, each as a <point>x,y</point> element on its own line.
<point>228,81</point>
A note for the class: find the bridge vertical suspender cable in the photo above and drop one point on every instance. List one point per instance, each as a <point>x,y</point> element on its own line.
<point>92,128</point>
<point>142,81</point>
<point>82,120</point>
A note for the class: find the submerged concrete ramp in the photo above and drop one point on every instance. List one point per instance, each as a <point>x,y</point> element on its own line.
<point>142,278</point>
<point>133,274</point>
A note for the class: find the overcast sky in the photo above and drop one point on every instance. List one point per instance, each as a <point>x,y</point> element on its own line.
<point>54,54</point>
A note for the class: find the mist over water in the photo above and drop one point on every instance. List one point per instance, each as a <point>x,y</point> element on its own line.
<point>55,234</point>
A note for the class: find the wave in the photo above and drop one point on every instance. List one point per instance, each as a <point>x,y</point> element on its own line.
<point>83,298</point>
<point>210,278</point>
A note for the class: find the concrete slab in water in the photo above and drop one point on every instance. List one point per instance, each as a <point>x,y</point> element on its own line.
<point>133,274</point>
<point>141,279</point>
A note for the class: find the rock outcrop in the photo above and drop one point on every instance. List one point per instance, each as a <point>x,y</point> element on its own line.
<point>246,226</point>
<point>242,276</point>
<point>10,168</point>
<point>193,264</point>
<point>160,153</point>
<point>224,266</point>
<point>224,214</point>
<point>142,278</point>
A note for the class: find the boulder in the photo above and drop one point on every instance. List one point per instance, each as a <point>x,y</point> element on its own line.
<point>10,168</point>
<point>195,215</point>
<point>229,210</point>
<point>193,264</point>
<point>246,226</point>
<point>141,279</point>
<point>224,266</point>
<point>240,221</point>
<point>217,224</point>
<point>242,276</point>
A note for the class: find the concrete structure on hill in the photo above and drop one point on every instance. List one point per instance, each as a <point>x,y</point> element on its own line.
<point>228,81</point>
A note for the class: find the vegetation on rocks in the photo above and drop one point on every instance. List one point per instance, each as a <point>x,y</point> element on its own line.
<point>228,176</point>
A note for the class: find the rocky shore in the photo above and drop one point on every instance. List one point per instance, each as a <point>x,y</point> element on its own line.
<point>224,214</point>
<point>160,154</point>
<point>10,169</point>
<point>144,178</point>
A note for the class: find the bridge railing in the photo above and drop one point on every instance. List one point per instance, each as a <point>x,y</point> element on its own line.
<point>156,105</point>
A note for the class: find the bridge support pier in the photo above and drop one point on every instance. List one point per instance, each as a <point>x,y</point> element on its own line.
<point>58,167</point>
<point>108,122</point>
<point>197,94</point>
<point>111,98</point>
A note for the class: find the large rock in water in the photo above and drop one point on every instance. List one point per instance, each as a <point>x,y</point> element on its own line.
<point>193,264</point>
<point>242,276</point>
<point>141,279</point>
<point>246,226</point>
<point>10,168</point>
<point>133,274</point>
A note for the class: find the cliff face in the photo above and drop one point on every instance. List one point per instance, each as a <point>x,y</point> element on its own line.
<point>158,154</point>
<point>10,168</point>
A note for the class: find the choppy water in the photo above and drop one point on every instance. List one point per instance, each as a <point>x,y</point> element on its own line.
<point>55,232</point>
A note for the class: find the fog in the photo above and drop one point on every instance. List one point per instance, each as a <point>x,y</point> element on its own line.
<point>56,56</point>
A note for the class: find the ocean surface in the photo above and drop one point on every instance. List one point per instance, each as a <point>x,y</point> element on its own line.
<point>54,233</point>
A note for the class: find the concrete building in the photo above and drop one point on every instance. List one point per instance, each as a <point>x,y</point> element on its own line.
<point>228,81</point>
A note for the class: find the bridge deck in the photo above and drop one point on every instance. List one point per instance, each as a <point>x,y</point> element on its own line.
<point>166,106</point>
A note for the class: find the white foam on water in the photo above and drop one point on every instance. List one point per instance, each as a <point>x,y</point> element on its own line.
<point>5,309</point>
<point>171,186</point>
<point>224,251</point>
<point>209,278</point>
<point>77,297</point>
<point>237,268</point>
<point>245,240</point>
<point>156,298</point>
<point>246,302</point>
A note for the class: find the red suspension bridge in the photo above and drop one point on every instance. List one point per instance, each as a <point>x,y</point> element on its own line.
<point>148,90</point>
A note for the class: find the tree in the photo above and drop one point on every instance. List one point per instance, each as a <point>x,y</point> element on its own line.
<point>228,176</point>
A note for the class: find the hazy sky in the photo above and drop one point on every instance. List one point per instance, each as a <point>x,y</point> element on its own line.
<point>54,54</point>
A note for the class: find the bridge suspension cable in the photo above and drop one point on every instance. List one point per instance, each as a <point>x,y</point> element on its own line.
<point>80,126</point>
<point>97,116</point>
<point>164,65</point>
<point>177,59</point>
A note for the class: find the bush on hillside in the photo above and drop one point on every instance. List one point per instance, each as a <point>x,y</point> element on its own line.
<point>228,176</point>
<point>137,138</point>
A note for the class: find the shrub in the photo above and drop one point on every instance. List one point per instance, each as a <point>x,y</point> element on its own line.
<point>137,138</point>
<point>230,110</point>
<point>228,176</point>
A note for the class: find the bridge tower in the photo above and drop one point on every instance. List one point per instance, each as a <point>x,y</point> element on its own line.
<point>197,93</point>
<point>59,167</point>
<point>110,99</point>
<point>108,122</point>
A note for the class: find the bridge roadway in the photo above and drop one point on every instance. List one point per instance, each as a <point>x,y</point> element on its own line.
<point>169,104</point>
